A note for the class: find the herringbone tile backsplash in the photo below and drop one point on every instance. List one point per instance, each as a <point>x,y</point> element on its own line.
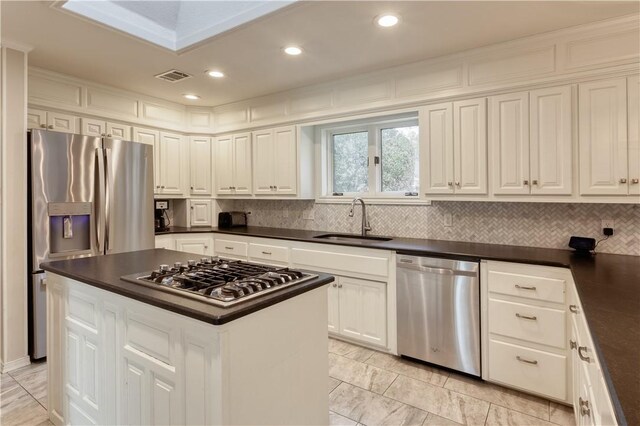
<point>530,224</point>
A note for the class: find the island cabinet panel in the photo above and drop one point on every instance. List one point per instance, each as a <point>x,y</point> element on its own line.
<point>114,360</point>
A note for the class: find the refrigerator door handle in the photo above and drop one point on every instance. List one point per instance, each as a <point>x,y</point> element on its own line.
<point>101,200</point>
<point>110,184</point>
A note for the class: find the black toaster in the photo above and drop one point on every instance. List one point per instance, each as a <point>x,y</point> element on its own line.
<point>232,219</point>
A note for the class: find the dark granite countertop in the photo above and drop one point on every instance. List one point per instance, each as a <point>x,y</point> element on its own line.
<point>608,286</point>
<point>185,230</point>
<point>105,271</point>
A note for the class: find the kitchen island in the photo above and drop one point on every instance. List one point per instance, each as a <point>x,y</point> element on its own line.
<point>125,353</point>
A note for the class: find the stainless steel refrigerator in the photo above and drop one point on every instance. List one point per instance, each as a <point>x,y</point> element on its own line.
<point>88,196</point>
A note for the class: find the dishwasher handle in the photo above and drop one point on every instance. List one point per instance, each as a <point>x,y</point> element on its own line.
<point>407,264</point>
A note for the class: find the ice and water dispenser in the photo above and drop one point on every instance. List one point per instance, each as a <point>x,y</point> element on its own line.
<point>69,228</point>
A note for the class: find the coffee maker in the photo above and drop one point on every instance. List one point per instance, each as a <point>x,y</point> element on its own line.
<point>161,218</point>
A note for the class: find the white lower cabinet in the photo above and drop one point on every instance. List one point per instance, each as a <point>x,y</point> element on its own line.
<point>195,244</point>
<point>362,310</point>
<point>166,242</point>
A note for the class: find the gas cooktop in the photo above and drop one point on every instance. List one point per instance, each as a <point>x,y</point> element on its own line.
<point>221,282</point>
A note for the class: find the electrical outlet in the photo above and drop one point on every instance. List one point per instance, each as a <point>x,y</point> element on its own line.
<point>285,213</point>
<point>448,219</point>
<point>607,223</point>
<point>307,214</point>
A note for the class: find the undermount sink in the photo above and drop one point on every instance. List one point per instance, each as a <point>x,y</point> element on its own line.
<point>352,238</point>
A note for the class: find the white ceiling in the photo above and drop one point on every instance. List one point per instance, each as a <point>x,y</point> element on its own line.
<point>339,39</point>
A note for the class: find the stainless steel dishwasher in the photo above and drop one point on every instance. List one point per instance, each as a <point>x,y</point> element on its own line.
<point>438,303</point>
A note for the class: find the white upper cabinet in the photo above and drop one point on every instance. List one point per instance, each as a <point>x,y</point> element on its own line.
<point>55,121</point>
<point>436,123</point>
<point>633,87</point>
<point>171,159</point>
<point>509,136</point>
<point>200,165</point>
<point>603,137</point>
<point>470,146</point>
<point>100,128</point>
<point>275,161</point>
<point>551,141</point>
<point>233,164</point>
<point>150,137</point>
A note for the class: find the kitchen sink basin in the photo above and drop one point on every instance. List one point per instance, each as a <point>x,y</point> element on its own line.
<point>352,238</point>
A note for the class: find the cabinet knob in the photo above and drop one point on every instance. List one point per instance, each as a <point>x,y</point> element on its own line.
<point>573,308</point>
<point>192,188</point>
<point>583,357</point>
<point>584,407</point>
<point>191,207</point>
<point>335,285</point>
<point>162,187</point>
<point>635,181</point>
<point>534,182</point>
<point>457,183</point>
<point>109,135</point>
<point>44,126</point>
<point>573,344</point>
<point>102,134</point>
<point>339,285</point>
<point>623,180</point>
<point>275,187</point>
<point>450,183</point>
<point>51,126</point>
<point>525,182</point>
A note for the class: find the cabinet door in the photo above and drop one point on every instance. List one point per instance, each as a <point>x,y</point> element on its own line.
<point>201,245</point>
<point>36,119</point>
<point>119,131</point>
<point>91,127</point>
<point>171,163</point>
<point>224,165</point>
<point>285,160</point>
<point>437,143</point>
<point>242,163</point>
<point>509,138</point>
<point>201,213</point>
<point>150,137</point>
<point>633,87</point>
<point>602,124</point>
<point>200,149</point>
<point>165,242</point>
<point>263,162</point>
<point>470,146</point>
<point>62,122</point>
<point>551,141</point>
<point>363,310</point>
<point>334,306</point>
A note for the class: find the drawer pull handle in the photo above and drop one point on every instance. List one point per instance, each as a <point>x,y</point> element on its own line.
<point>521,287</point>
<point>228,248</point>
<point>267,252</point>
<point>584,407</point>
<point>573,308</point>
<point>526,317</point>
<point>573,344</point>
<point>519,358</point>
<point>583,357</point>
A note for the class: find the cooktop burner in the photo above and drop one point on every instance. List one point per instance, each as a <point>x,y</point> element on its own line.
<point>222,282</point>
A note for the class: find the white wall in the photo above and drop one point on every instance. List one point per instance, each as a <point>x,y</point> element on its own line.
<point>13,210</point>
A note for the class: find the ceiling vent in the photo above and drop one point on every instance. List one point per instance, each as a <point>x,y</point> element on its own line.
<point>173,76</point>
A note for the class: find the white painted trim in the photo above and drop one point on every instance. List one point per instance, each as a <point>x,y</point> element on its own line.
<point>408,201</point>
<point>6,367</point>
<point>10,44</point>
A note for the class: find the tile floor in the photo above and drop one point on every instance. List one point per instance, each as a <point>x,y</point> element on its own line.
<point>365,388</point>
<point>372,388</point>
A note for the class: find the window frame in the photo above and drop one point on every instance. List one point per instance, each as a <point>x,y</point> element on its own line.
<point>374,129</point>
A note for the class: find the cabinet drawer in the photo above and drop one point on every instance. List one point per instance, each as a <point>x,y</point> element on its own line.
<point>340,262</point>
<point>269,253</point>
<point>544,373</point>
<point>526,322</point>
<point>527,286</point>
<point>232,248</point>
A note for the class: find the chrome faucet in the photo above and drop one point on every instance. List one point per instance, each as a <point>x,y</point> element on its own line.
<point>365,220</point>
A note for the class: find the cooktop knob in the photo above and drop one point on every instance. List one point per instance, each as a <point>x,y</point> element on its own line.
<point>204,260</point>
<point>191,262</point>
<point>177,265</point>
<point>164,268</point>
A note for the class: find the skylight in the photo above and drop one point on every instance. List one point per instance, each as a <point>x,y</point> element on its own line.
<point>174,25</point>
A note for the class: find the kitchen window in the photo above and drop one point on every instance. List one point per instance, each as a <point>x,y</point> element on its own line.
<point>375,159</point>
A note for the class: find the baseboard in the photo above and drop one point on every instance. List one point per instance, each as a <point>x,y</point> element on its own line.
<point>5,367</point>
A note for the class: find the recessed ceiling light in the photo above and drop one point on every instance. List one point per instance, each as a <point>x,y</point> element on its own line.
<point>192,97</point>
<point>292,50</point>
<point>216,74</point>
<point>387,20</point>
